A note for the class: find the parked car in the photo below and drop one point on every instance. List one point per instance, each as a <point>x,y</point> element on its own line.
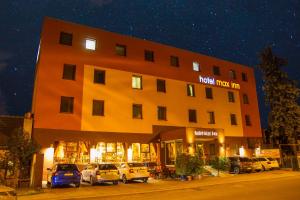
<point>266,164</point>
<point>133,171</point>
<point>7,193</point>
<point>274,163</point>
<point>154,169</point>
<point>239,164</point>
<point>63,174</point>
<point>256,165</point>
<point>100,173</point>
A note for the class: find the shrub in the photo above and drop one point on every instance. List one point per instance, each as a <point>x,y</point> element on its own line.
<point>220,163</point>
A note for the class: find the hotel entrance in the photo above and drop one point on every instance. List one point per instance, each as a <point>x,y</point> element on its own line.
<point>206,149</point>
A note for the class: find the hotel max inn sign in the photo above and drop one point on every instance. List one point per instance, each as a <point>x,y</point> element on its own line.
<point>213,81</point>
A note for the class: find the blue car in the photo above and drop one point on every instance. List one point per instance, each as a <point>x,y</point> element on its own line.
<point>63,174</point>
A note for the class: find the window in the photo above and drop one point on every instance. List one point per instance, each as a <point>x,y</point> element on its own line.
<point>69,72</point>
<point>196,66</point>
<point>66,104</point>
<point>190,90</point>
<point>192,115</point>
<point>211,117</point>
<point>247,120</point>
<point>161,113</point>
<point>174,61</point>
<point>98,107</point>
<point>232,74</point>
<point>149,55</point>
<point>137,82</point>
<point>244,77</point>
<point>233,119</point>
<point>245,99</point>
<point>230,96</point>
<point>209,93</point>
<point>212,149</point>
<point>137,111</point>
<point>90,44</point>
<point>120,50</point>
<point>66,38</point>
<point>99,76</point>
<point>216,70</point>
<point>161,85</point>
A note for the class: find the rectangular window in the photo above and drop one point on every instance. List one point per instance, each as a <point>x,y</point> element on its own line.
<point>211,117</point>
<point>98,108</point>
<point>66,38</point>
<point>174,61</point>
<point>244,77</point>
<point>99,76</point>
<point>245,99</point>
<point>216,70</point>
<point>248,120</point>
<point>137,82</point>
<point>149,55</point>
<point>196,66</point>
<point>161,113</point>
<point>120,50</point>
<point>212,149</point>
<point>209,93</point>
<point>66,104</point>
<point>90,44</point>
<point>161,85</point>
<point>137,111</point>
<point>232,74</point>
<point>69,72</point>
<point>190,90</point>
<point>192,115</point>
<point>233,119</point>
<point>230,96</point>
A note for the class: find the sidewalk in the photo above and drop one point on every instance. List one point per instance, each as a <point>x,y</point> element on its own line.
<point>152,186</point>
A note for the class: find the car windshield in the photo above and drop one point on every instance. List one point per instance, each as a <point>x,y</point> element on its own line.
<point>245,159</point>
<point>136,165</point>
<point>107,167</point>
<point>151,164</point>
<point>254,159</point>
<point>271,159</point>
<point>66,167</point>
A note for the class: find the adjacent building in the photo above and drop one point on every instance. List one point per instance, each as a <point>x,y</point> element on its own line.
<point>105,97</point>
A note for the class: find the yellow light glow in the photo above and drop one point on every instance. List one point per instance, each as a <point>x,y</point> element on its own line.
<point>222,151</point>
<point>257,152</point>
<point>242,151</point>
<point>129,154</point>
<point>49,153</point>
<point>93,154</point>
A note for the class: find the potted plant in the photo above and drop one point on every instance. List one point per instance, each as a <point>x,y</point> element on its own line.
<point>195,166</point>
<point>181,165</point>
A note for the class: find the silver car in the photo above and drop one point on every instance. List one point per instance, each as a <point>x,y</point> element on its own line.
<point>100,173</point>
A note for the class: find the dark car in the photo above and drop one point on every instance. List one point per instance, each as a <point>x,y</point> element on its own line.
<point>63,174</point>
<point>239,164</point>
<point>154,169</point>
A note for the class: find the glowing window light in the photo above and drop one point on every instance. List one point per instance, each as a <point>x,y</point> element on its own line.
<point>49,154</point>
<point>90,44</point>
<point>196,66</point>
<point>93,155</point>
<point>242,151</point>
<point>129,154</point>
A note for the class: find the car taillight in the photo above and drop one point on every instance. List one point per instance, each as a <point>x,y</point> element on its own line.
<point>131,171</point>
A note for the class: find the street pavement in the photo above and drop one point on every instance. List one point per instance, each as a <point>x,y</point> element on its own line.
<point>267,185</point>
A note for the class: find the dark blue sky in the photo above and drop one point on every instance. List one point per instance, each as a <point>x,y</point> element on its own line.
<point>230,29</point>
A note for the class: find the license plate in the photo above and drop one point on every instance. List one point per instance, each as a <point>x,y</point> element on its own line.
<point>68,174</point>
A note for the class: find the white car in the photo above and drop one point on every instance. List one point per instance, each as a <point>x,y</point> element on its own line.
<point>100,173</point>
<point>133,171</point>
<point>274,163</point>
<point>266,164</point>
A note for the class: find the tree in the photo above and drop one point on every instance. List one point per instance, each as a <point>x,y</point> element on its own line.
<point>281,94</point>
<point>21,148</point>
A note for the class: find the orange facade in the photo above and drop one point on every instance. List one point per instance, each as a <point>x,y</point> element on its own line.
<point>117,92</point>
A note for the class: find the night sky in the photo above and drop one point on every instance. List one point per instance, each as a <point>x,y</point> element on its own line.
<point>232,30</point>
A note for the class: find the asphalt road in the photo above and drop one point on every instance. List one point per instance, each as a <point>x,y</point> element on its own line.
<point>285,188</point>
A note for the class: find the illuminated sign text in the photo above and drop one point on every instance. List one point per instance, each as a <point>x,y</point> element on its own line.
<point>212,81</point>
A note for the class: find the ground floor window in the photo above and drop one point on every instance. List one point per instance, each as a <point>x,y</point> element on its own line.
<point>172,149</point>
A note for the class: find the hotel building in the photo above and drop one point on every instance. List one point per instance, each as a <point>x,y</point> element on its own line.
<point>106,97</point>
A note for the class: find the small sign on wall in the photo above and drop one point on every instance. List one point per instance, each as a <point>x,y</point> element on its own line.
<point>206,133</point>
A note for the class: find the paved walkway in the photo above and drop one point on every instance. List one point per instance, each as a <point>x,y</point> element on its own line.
<point>152,186</point>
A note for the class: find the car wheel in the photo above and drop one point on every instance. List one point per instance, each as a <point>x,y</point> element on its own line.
<point>124,179</point>
<point>52,185</point>
<point>145,180</point>
<point>116,182</point>
<point>236,170</point>
<point>92,182</point>
<point>263,168</point>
